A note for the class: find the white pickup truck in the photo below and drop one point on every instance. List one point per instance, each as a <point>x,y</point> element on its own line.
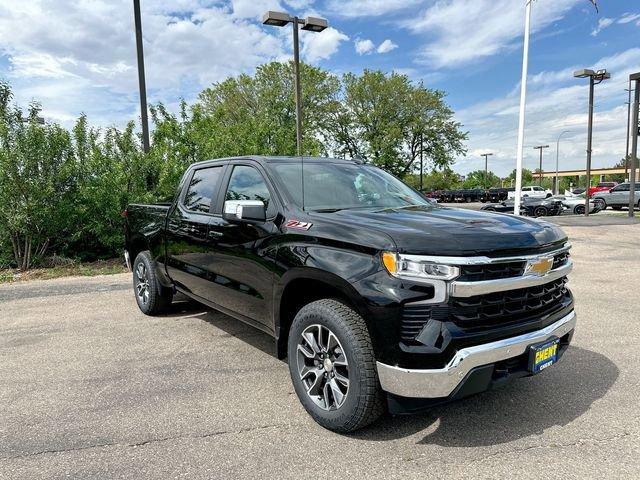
<point>533,191</point>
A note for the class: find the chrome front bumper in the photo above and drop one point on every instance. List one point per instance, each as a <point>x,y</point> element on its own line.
<point>437,383</point>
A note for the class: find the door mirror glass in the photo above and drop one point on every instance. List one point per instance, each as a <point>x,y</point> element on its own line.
<point>245,210</point>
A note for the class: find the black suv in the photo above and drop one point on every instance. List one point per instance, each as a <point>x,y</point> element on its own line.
<point>380,299</point>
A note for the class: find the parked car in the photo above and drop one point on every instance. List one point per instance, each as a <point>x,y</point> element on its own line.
<point>601,187</point>
<point>575,204</point>
<point>532,207</point>
<point>469,195</point>
<point>617,197</point>
<point>496,195</point>
<point>533,191</point>
<point>377,298</point>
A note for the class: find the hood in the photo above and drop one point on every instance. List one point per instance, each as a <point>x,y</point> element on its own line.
<point>426,230</point>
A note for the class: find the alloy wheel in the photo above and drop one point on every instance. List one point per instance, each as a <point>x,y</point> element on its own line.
<point>323,367</point>
<point>142,283</point>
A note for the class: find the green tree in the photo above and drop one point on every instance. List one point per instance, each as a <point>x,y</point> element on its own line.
<point>444,179</point>
<point>36,180</point>
<point>477,178</point>
<point>527,177</point>
<point>255,115</point>
<point>389,121</point>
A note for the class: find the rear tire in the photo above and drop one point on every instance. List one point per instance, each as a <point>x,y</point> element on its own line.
<point>333,367</point>
<point>151,296</point>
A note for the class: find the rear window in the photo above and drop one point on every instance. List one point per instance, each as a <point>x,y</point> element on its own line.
<point>202,189</point>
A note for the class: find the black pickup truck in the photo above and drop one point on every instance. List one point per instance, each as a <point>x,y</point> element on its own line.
<point>379,298</point>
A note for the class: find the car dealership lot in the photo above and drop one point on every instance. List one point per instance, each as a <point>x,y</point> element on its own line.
<point>91,388</point>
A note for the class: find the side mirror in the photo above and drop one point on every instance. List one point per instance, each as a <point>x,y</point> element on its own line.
<point>244,210</point>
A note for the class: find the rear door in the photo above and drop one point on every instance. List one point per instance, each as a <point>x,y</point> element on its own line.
<point>187,229</point>
<point>619,194</point>
<point>243,250</point>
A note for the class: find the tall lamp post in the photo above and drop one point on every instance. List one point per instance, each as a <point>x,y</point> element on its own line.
<point>594,79</point>
<point>556,189</point>
<point>635,77</point>
<point>523,96</point>
<point>312,24</point>
<point>486,165</point>
<point>141,77</point>
<point>540,147</point>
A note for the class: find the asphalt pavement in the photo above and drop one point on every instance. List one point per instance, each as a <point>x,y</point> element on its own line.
<point>91,388</point>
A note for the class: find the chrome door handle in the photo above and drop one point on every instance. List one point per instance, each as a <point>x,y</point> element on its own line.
<point>214,234</point>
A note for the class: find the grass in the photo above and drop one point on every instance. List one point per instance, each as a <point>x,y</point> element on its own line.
<point>100,267</point>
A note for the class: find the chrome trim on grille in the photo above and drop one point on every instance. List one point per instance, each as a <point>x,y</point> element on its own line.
<point>436,383</point>
<point>483,260</point>
<point>471,289</point>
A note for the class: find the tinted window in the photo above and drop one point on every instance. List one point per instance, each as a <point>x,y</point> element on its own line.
<point>538,189</point>
<point>246,183</point>
<point>622,188</point>
<point>202,189</point>
<point>342,185</point>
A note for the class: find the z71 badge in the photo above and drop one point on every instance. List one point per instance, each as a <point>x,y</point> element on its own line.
<point>298,225</point>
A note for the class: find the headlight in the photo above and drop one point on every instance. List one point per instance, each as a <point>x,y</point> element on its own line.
<point>410,266</point>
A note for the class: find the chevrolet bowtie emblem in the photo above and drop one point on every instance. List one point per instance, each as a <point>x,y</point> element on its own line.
<point>539,266</point>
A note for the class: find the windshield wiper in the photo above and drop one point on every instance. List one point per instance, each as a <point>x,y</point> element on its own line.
<point>327,210</point>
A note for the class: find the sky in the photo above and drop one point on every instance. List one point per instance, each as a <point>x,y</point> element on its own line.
<point>78,56</point>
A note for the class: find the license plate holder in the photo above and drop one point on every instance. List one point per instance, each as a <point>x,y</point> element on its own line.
<point>542,355</point>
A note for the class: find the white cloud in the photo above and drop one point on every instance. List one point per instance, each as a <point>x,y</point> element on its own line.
<point>368,8</point>
<point>554,106</point>
<point>629,17</point>
<point>81,56</point>
<point>254,8</point>
<point>602,24</point>
<point>386,46</point>
<point>454,40</point>
<point>321,46</point>
<point>364,46</point>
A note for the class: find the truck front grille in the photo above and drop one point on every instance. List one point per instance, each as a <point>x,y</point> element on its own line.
<point>486,311</point>
<point>495,271</point>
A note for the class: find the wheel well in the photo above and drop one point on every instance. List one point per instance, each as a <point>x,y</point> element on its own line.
<point>137,246</point>
<point>296,295</point>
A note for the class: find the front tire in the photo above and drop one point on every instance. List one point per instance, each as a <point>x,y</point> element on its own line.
<point>540,212</point>
<point>579,210</point>
<point>151,297</point>
<point>333,367</point>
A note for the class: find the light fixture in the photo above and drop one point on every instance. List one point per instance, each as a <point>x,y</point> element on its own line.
<point>315,24</point>
<point>276,19</point>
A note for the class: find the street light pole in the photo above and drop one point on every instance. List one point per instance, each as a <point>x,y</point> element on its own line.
<point>540,147</point>
<point>634,143</point>
<point>486,170</point>
<point>141,77</point>
<point>421,161</point>
<point>312,24</point>
<point>626,156</point>
<point>523,96</point>
<point>594,79</point>
<point>557,189</point>
<point>298,92</point>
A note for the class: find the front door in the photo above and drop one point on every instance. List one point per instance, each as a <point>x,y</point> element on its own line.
<point>188,230</point>
<point>244,253</point>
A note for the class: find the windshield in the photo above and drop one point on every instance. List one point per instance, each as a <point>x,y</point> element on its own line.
<point>337,186</point>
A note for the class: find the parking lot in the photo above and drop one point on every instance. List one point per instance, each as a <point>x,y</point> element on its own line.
<point>91,388</point>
